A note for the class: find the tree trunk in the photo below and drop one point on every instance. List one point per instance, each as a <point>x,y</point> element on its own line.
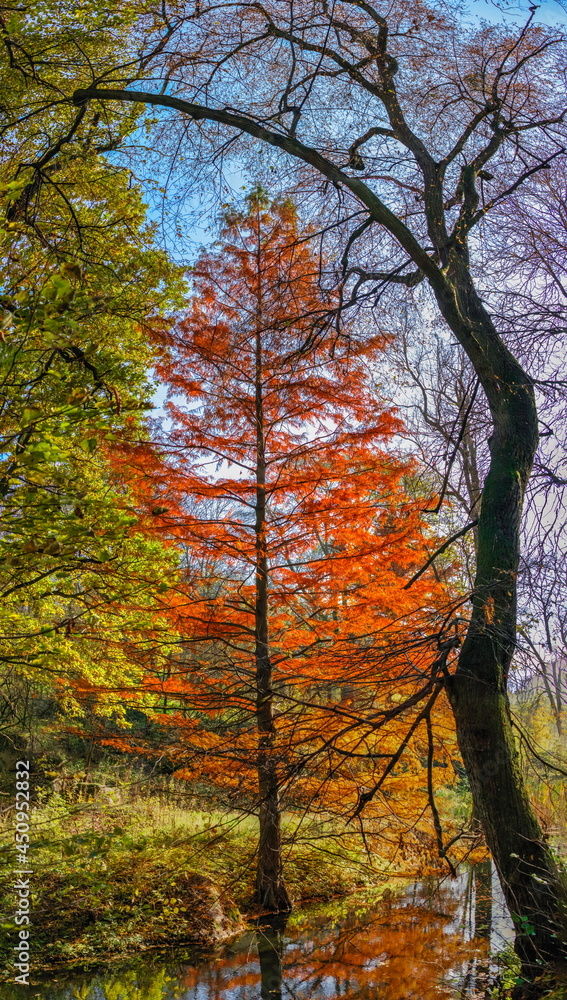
<point>270,892</point>
<point>534,887</point>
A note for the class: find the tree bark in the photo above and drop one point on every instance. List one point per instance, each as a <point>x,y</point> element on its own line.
<point>270,891</point>
<point>534,886</point>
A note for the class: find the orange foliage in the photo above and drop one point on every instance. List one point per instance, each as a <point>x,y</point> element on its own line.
<point>266,402</point>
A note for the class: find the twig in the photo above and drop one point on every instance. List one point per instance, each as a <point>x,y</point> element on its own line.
<point>453,538</point>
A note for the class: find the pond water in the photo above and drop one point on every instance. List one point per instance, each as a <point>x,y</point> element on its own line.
<point>432,940</point>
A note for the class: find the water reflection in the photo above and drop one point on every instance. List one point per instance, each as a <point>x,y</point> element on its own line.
<point>270,945</point>
<point>482,874</point>
<point>432,941</point>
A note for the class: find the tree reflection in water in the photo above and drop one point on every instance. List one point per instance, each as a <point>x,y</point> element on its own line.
<point>270,944</point>
<point>433,941</point>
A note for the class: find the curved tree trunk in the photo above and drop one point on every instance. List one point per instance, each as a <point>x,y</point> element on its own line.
<point>534,887</point>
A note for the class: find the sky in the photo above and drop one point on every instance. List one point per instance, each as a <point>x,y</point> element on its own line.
<point>549,12</point>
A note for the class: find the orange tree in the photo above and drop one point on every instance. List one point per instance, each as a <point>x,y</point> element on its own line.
<point>275,472</point>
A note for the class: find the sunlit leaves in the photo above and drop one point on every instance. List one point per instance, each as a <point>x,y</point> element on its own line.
<point>262,392</point>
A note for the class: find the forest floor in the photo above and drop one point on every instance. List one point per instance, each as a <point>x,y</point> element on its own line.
<point>111,881</point>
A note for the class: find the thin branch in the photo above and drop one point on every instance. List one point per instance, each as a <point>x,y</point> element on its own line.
<point>432,804</point>
<point>453,538</point>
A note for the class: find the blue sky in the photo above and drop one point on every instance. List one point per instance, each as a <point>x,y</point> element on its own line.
<point>549,12</point>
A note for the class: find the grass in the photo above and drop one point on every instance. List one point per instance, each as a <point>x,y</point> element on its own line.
<point>112,879</point>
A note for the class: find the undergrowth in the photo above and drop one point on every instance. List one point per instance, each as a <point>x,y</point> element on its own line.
<point>111,879</point>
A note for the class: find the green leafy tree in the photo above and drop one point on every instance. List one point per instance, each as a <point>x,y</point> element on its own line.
<point>82,284</point>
